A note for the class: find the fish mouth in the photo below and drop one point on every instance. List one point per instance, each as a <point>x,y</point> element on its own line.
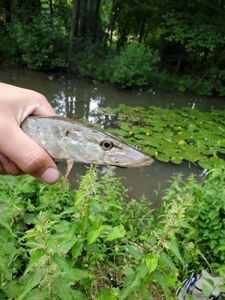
<point>147,161</point>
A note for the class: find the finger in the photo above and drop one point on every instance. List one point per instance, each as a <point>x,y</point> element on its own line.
<point>2,170</point>
<point>30,157</point>
<point>37,106</point>
<point>8,166</point>
<point>43,107</point>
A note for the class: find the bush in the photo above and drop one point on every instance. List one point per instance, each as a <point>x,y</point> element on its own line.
<point>39,45</point>
<point>206,218</point>
<point>135,66</point>
<point>92,61</point>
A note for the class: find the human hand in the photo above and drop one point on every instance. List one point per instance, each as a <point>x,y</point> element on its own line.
<point>18,153</point>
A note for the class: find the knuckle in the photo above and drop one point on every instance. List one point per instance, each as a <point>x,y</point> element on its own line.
<point>40,97</point>
<point>36,96</point>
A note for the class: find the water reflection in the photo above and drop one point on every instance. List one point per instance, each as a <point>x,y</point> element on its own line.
<point>79,98</point>
<point>94,105</point>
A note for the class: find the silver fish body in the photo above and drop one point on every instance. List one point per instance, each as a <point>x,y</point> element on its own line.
<point>65,139</point>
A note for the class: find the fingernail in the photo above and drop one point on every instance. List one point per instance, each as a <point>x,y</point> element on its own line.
<point>50,175</point>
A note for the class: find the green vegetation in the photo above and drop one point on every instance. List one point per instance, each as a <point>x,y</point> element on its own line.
<point>95,243</point>
<point>136,65</point>
<point>38,45</point>
<point>129,42</point>
<point>173,134</point>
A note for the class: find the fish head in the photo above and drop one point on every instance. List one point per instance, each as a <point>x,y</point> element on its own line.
<point>106,149</point>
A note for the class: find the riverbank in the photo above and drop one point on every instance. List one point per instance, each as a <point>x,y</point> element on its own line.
<point>173,44</point>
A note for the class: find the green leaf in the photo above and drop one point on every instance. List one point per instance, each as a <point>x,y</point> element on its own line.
<point>135,282</point>
<point>165,261</point>
<point>161,280</point>
<point>106,293</point>
<point>77,248</point>
<point>30,281</point>
<point>64,291</point>
<point>94,233</point>
<point>38,257</point>
<point>151,260</point>
<point>72,274</point>
<point>136,252</point>
<point>116,232</point>
<point>172,246</point>
<point>222,289</point>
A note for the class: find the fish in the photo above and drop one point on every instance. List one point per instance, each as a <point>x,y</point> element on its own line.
<point>76,141</point>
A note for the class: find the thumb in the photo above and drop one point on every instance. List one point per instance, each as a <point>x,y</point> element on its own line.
<point>29,156</point>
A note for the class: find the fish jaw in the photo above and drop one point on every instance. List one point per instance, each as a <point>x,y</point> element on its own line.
<point>128,157</point>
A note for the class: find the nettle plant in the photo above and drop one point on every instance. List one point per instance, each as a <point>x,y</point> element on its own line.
<point>95,243</point>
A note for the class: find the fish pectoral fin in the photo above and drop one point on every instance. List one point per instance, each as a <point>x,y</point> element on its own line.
<point>69,166</point>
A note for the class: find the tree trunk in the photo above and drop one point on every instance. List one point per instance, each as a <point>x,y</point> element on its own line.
<point>51,8</point>
<point>96,20</point>
<point>113,19</point>
<point>123,37</point>
<point>142,28</point>
<point>147,29</point>
<point>178,64</point>
<point>73,31</point>
<point>7,10</point>
<point>77,19</point>
<point>83,19</point>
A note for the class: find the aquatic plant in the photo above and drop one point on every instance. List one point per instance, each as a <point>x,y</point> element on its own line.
<point>173,134</point>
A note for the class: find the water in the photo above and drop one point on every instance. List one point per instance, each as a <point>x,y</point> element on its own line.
<point>80,98</point>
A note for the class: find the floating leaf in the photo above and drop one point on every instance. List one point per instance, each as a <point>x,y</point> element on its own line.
<point>174,134</point>
<point>163,157</point>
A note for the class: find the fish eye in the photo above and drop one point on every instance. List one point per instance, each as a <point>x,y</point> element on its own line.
<point>106,145</point>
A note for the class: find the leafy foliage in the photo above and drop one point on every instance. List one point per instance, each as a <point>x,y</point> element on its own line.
<point>173,135</point>
<point>205,217</point>
<point>135,66</point>
<point>95,244</point>
<point>129,42</point>
<point>39,45</point>
<point>93,61</point>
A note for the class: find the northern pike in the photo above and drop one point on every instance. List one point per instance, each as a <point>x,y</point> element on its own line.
<point>75,141</point>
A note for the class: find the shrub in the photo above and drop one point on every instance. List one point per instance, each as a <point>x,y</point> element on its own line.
<point>92,61</point>
<point>39,44</point>
<point>135,66</point>
<point>206,217</point>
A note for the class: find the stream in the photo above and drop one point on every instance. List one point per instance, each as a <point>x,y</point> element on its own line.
<point>80,98</point>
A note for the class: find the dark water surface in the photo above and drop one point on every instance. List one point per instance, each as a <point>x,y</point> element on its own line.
<point>81,98</point>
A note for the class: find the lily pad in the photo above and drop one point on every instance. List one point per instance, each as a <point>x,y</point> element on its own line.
<point>174,134</point>
<point>163,157</point>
